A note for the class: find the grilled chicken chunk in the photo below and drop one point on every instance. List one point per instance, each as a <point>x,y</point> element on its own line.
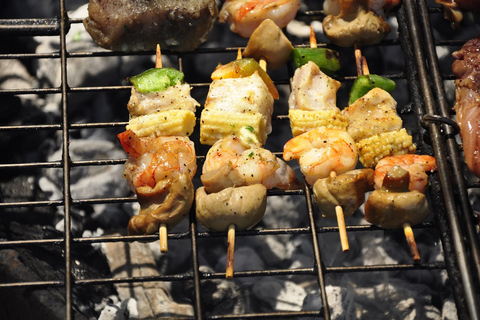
<point>313,89</point>
<point>140,25</point>
<point>244,95</point>
<point>374,113</point>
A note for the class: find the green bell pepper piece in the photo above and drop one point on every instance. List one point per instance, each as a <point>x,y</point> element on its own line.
<point>156,79</point>
<point>326,59</point>
<point>364,83</point>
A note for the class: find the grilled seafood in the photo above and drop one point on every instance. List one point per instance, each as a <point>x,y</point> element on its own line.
<point>254,163</point>
<point>416,165</point>
<point>244,16</point>
<point>321,151</point>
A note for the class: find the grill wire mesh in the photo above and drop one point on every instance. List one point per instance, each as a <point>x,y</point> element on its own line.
<point>427,117</point>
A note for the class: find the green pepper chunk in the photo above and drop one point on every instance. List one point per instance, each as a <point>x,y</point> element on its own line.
<point>364,83</point>
<point>326,59</point>
<point>156,79</point>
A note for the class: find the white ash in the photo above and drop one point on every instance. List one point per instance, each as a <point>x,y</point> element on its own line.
<point>123,310</point>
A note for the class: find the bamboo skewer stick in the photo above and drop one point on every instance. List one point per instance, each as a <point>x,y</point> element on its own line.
<point>362,69</point>
<point>407,229</point>
<point>230,251</point>
<point>162,231</point>
<point>341,223</point>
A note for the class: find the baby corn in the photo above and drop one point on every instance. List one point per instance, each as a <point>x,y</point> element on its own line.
<point>302,121</point>
<point>374,148</point>
<point>165,123</point>
<point>217,124</point>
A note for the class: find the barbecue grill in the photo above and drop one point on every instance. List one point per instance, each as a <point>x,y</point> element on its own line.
<point>424,105</point>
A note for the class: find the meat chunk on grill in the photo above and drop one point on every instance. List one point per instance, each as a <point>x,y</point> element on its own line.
<point>140,25</point>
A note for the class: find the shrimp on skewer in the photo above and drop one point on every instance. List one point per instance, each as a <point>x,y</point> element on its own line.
<point>416,165</point>
<point>244,16</point>
<point>321,151</point>
<point>159,171</point>
<point>254,163</point>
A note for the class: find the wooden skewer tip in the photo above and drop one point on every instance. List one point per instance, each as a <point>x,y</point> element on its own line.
<point>411,242</point>
<point>158,57</point>
<point>230,251</point>
<point>162,233</point>
<point>341,223</point>
<point>313,38</point>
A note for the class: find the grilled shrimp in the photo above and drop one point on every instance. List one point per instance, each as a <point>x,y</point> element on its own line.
<point>152,160</point>
<point>321,151</point>
<point>254,163</point>
<point>244,16</point>
<point>416,165</point>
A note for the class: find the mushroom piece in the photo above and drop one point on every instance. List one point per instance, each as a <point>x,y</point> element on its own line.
<point>242,207</point>
<point>167,203</point>
<point>394,206</point>
<point>351,27</point>
<point>268,42</point>
<point>346,190</point>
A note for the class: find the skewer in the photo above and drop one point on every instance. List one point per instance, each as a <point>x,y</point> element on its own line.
<point>313,39</point>
<point>362,69</point>
<point>411,242</point>
<point>230,251</point>
<point>162,231</point>
<point>341,223</point>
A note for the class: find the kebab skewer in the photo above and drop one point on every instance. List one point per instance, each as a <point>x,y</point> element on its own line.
<point>161,158</point>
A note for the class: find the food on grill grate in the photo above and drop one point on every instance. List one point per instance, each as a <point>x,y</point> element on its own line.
<point>381,7</point>
<point>254,163</point>
<point>416,165</point>
<point>160,172</point>
<point>313,101</point>
<point>355,24</point>
<point>467,94</point>
<point>161,158</point>
<point>395,206</point>
<point>321,151</point>
<point>269,43</point>
<point>240,95</point>
<point>453,9</point>
<point>236,175</point>
<point>244,16</point>
<point>141,25</point>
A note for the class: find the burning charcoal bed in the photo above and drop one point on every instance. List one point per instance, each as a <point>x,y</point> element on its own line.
<point>65,207</point>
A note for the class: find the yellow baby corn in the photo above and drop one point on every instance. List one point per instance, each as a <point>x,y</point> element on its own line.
<point>302,121</point>
<point>217,124</point>
<point>165,123</point>
<point>374,148</point>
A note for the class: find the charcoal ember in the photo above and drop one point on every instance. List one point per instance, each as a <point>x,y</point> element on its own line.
<point>219,296</point>
<point>277,295</point>
<point>153,299</point>
<point>47,263</point>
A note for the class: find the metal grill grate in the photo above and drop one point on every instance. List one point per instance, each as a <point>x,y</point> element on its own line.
<point>452,211</point>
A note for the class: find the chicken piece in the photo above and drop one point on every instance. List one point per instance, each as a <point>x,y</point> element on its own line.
<point>313,89</point>
<point>355,26</point>
<point>242,95</point>
<point>243,207</point>
<point>167,203</point>
<point>140,25</point>
<point>175,97</point>
<point>394,205</point>
<point>244,16</point>
<point>270,43</point>
<point>372,114</point>
<point>467,104</point>
<point>346,190</point>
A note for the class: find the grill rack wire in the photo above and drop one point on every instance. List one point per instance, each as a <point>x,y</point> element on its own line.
<point>453,212</point>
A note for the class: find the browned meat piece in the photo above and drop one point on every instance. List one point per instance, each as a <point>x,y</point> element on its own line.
<point>467,69</point>
<point>140,25</point>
